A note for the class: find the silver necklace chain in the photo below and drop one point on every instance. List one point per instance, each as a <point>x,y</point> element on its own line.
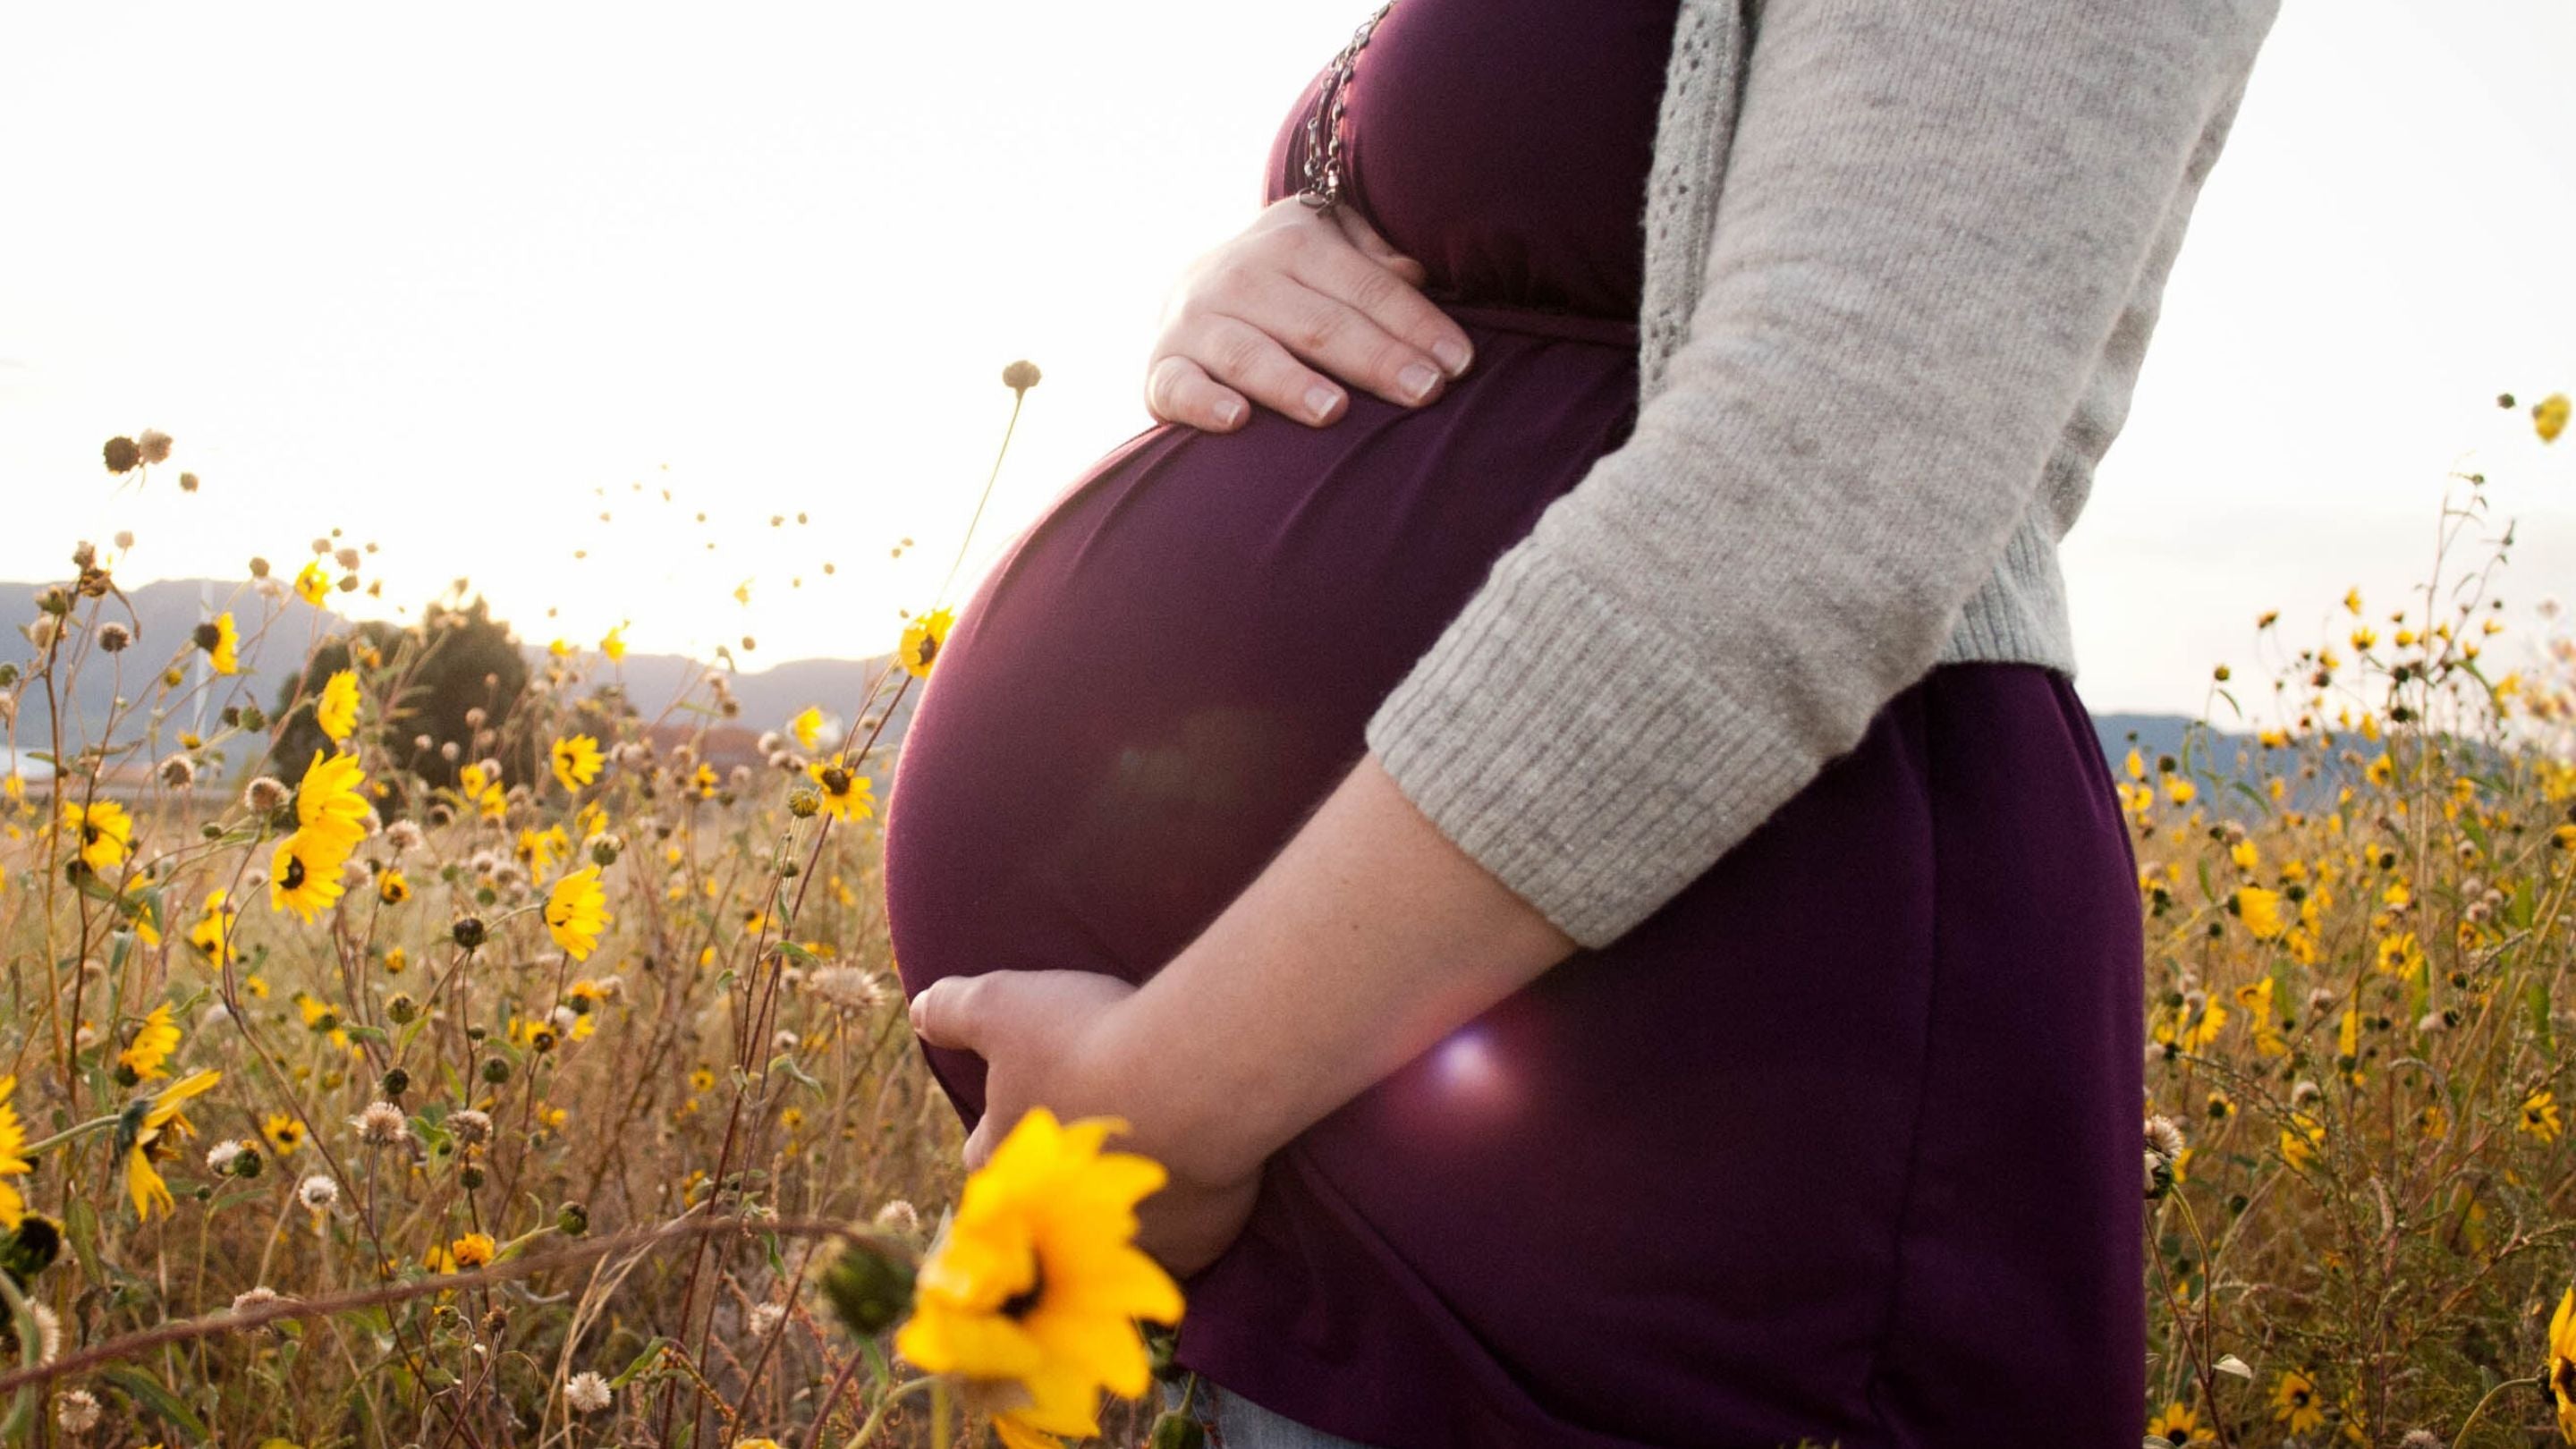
<point>1324,170</point>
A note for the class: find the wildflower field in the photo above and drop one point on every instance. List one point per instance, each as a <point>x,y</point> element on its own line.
<point>486,1066</point>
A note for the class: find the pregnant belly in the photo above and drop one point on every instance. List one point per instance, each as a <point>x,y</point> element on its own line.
<point>1176,663</point>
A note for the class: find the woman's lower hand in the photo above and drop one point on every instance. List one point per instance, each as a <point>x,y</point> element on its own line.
<point>1298,291</point>
<point>1051,1039</point>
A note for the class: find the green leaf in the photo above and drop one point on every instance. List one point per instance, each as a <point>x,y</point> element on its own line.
<point>785,1062</point>
<point>652,1353</point>
<point>147,1393</point>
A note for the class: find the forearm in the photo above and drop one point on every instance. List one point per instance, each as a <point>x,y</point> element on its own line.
<point>1367,939</point>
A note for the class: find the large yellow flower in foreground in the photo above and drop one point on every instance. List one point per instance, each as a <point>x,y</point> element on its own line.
<point>105,831</point>
<point>922,639</point>
<point>337,710</point>
<point>2558,1371</point>
<point>577,761</point>
<point>1031,1293</point>
<point>13,1159</point>
<point>153,1125</point>
<point>577,911</point>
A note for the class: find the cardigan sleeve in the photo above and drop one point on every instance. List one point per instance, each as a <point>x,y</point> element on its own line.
<point>1942,224</point>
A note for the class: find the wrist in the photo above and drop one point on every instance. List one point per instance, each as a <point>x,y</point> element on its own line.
<point>1181,1108</point>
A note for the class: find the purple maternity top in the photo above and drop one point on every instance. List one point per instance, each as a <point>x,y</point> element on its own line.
<point>1843,1142</point>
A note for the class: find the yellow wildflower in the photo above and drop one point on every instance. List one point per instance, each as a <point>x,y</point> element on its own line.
<point>807,727</point>
<point>847,794</point>
<point>328,798</point>
<point>474,1250</point>
<point>2558,1370</point>
<point>2260,909</point>
<point>148,1055</point>
<point>2179,790</point>
<point>922,639</point>
<point>393,890</point>
<point>153,1139</point>
<point>337,710</point>
<point>2549,419</point>
<point>2299,1140</point>
<point>2179,1425</point>
<point>13,1159</point>
<point>2540,1116</point>
<point>284,1133</point>
<point>2294,1398</point>
<point>539,849</point>
<point>222,643</point>
<point>483,792</point>
<point>105,831</point>
<point>613,644</point>
<point>311,584</point>
<point>576,761</point>
<point>1032,1292</point>
<point>304,874</point>
<point>212,935</point>
<point>577,911</point>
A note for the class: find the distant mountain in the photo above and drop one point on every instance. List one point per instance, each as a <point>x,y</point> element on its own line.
<point>165,615</point>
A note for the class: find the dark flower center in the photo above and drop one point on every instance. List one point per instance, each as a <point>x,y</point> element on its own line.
<point>1019,1305</point>
<point>294,874</point>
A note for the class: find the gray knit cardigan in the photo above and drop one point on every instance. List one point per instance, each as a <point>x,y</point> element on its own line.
<point>1902,261</point>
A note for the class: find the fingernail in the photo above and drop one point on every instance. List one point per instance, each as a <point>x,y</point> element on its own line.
<point>1452,355</point>
<point>1416,380</point>
<point>1228,411</point>
<point>1319,401</point>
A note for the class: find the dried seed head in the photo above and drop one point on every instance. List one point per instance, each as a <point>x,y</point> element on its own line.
<point>586,1393</point>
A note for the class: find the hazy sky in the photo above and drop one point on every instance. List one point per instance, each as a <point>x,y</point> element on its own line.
<point>441,278</point>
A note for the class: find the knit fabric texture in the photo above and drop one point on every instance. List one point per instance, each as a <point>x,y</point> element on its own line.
<point>1903,258</point>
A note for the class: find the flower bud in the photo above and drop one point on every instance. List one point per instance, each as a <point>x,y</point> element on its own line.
<point>868,1288</point>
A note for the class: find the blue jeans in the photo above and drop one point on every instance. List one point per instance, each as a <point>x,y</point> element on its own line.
<point>1234,1422</point>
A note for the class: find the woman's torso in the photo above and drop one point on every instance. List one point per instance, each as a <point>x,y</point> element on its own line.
<point>1503,1242</point>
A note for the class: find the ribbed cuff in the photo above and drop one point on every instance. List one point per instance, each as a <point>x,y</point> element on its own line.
<point>1570,748</point>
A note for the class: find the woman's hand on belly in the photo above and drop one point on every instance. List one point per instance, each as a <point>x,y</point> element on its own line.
<point>1295,285</point>
<point>1049,1038</point>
